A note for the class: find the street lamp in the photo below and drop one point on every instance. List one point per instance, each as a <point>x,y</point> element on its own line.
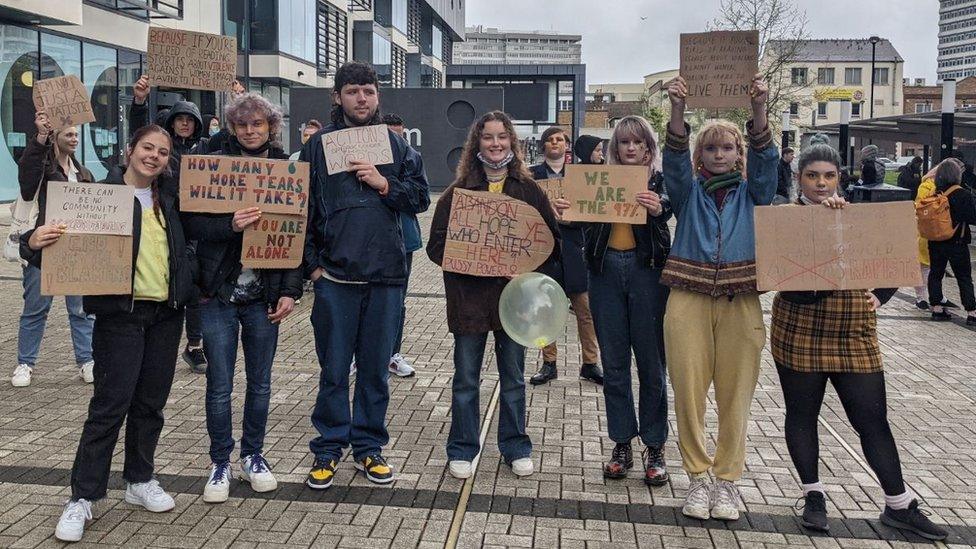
<point>874,47</point>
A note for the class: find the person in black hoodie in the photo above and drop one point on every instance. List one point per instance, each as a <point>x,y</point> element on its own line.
<point>955,250</point>
<point>238,302</point>
<point>910,175</point>
<point>356,259</point>
<point>135,341</point>
<point>185,125</point>
<point>555,142</point>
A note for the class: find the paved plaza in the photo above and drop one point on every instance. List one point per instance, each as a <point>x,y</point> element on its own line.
<point>566,503</point>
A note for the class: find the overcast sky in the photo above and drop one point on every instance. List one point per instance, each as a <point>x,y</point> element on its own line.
<point>619,47</point>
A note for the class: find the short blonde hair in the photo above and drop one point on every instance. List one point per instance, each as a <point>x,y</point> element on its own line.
<point>637,127</point>
<point>714,133</point>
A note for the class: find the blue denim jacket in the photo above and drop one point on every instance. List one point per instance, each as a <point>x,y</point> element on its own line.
<point>412,240</point>
<point>714,251</point>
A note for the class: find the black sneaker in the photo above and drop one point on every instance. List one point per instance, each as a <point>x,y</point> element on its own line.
<point>914,520</point>
<point>815,512</point>
<point>592,372</point>
<point>941,316</point>
<point>322,474</point>
<point>195,359</point>
<point>971,320</point>
<point>621,461</point>
<point>376,469</point>
<point>923,305</point>
<point>655,470</point>
<point>949,305</point>
<point>545,374</point>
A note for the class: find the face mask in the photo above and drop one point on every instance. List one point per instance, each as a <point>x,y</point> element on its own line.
<point>497,165</point>
<point>214,131</point>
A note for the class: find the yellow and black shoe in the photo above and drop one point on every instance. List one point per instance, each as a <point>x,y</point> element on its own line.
<point>322,474</point>
<point>376,469</point>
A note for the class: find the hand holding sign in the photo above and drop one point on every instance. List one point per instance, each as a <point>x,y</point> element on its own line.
<point>366,145</point>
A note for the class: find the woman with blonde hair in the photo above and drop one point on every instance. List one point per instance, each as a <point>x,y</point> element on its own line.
<point>491,161</point>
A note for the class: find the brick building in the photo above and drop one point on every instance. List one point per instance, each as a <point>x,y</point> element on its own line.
<point>922,99</point>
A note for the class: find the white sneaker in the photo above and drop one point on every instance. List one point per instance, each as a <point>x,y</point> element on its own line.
<point>22,376</point>
<point>400,367</point>
<point>87,371</point>
<point>71,526</point>
<point>727,498</point>
<point>460,469</point>
<point>523,467</point>
<point>217,489</point>
<point>255,470</point>
<point>698,501</point>
<point>149,495</point>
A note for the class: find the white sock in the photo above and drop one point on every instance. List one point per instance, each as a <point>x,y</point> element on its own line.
<point>901,501</point>
<point>813,487</point>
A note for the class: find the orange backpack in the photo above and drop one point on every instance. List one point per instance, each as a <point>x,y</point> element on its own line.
<point>934,221</point>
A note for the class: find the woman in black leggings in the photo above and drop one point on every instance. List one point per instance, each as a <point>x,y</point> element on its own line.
<point>821,336</point>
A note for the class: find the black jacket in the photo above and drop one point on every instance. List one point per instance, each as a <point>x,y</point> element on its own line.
<point>353,232</point>
<point>34,170</point>
<point>218,251</point>
<point>785,181</point>
<point>182,265</point>
<point>653,238</point>
<point>575,276</point>
<point>962,210</point>
<point>909,178</point>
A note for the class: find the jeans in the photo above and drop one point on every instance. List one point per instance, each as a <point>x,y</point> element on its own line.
<point>135,359</point>
<point>628,303</point>
<point>221,324</point>
<point>194,329</point>
<point>957,255</point>
<point>403,310</point>
<point>34,317</point>
<point>463,440</point>
<point>353,320</point>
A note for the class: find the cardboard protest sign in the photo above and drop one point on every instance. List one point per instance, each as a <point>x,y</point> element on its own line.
<point>604,194</point>
<point>193,60</point>
<point>552,187</point>
<point>65,101</point>
<point>274,242</point>
<point>225,184</point>
<point>718,68</point>
<point>365,143</point>
<point>91,209</point>
<point>862,246</point>
<point>491,234</point>
<point>87,264</point>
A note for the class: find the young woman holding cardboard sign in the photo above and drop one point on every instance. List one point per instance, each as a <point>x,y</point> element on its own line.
<point>491,161</point>
<point>50,156</point>
<point>821,336</point>
<point>713,328</point>
<point>135,341</point>
<point>240,303</point>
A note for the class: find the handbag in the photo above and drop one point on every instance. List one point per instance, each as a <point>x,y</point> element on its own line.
<point>22,219</point>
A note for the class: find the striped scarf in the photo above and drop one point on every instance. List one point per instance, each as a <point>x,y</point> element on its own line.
<point>724,181</point>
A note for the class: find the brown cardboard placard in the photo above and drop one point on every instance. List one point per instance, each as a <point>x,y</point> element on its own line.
<point>718,68</point>
<point>64,100</point>
<point>604,194</point>
<point>364,143</point>
<point>87,264</point>
<point>225,184</point>
<point>491,234</point>
<point>553,187</point>
<point>275,241</point>
<point>90,209</point>
<point>193,60</point>
<point>862,246</point>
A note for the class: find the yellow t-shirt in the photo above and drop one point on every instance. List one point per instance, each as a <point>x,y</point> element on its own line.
<point>496,187</point>
<point>152,264</point>
<point>622,237</point>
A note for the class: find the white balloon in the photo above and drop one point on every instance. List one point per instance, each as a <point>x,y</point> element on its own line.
<point>533,310</point>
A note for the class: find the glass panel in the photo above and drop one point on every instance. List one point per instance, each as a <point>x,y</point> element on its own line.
<point>382,59</point>
<point>296,28</point>
<point>399,8</point>
<point>18,64</point>
<point>234,22</point>
<point>101,143</point>
<point>436,41</point>
<point>264,25</point>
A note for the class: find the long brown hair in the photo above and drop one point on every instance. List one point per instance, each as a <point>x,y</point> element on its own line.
<point>138,136</point>
<point>470,171</point>
<point>53,162</point>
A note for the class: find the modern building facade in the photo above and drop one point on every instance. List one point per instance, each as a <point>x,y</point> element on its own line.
<point>491,46</point>
<point>957,39</point>
<point>282,44</point>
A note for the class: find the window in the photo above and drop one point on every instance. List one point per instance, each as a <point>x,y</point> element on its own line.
<point>825,76</point>
<point>923,107</point>
<point>798,75</point>
<point>822,109</point>
<point>360,5</point>
<point>880,76</point>
<point>383,59</point>
<point>436,41</point>
<point>852,76</point>
<point>399,9</point>
<point>794,109</point>
<point>296,28</point>
<point>856,109</point>
<point>144,9</point>
<point>331,38</point>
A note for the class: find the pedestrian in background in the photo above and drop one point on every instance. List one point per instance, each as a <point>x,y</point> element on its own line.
<point>955,250</point>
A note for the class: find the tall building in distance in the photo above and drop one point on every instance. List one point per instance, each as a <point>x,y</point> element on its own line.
<point>957,39</point>
<point>491,46</point>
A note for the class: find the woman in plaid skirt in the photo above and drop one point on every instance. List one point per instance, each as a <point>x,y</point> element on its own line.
<point>821,336</point>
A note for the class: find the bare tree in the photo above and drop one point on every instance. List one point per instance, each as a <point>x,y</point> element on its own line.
<point>782,30</point>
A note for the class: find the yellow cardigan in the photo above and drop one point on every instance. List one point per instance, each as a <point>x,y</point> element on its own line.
<point>925,190</point>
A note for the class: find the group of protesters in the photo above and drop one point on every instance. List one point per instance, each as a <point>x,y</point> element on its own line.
<point>686,309</point>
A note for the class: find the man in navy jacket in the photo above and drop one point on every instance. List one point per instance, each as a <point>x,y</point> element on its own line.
<point>355,256</point>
